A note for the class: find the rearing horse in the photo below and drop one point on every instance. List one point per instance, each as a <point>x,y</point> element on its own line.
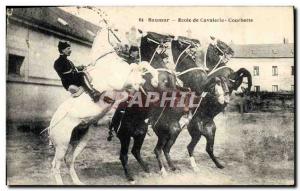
<point>199,81</point>
<point>111,75</point>
<point>202,123</point>
<point>129,122</point>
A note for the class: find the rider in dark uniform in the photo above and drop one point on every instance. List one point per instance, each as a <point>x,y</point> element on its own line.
<point>133,56</point>
<point>72,75</point>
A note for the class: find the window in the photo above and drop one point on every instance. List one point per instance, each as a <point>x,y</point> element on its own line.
<point>274,88</point>
<point>292,87</point>
<point>256,71</point>
<point>275,51</point>
<point>14,64</point>
<point>274,71</point>
<point>256,88</point>
<point>293,70</point>
<point>253,52</point>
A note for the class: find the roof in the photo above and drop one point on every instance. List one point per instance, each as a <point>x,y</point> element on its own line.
<point>263,50</point>
<point>58,20</point>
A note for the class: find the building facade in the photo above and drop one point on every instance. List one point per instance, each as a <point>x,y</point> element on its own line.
<point>271,65</point>
<point>33,88</point>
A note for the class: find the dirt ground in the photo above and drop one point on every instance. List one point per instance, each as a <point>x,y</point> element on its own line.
<point>256,149</point>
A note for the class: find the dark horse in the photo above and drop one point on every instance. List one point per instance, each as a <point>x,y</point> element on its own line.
<point>198,80</point>
<point>202,123</point>
<point>166,123</point>
<point>129,122</point>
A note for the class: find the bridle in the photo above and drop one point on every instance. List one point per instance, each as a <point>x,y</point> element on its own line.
<point>187,54</point>
<point>222,57</point>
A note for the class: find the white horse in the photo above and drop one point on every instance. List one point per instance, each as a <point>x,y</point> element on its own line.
<point>110,75</point>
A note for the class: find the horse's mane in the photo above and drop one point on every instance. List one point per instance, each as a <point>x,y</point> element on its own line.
<point>177,48</point>
<point>188,40</point>
<point>147,48</point>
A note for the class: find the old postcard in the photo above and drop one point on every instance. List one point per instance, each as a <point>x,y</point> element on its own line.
<point>150,96</point>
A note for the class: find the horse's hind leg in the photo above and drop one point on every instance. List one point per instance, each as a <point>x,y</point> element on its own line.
<point>172,138</point>
<point>194,131</point>
<point>60,152</point>
<point>136,151</point>
<point>78,149</point>
<point>125,141</point>
<point>60,136</point>
<point>162,139</point>
<point>210,137</point>
<point>69,150</point>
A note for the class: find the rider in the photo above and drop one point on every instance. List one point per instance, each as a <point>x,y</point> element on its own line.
<point>133,55</point>
<point>72,75</point>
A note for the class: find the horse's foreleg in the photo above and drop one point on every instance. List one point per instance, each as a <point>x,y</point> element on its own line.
<point>210,137</point>
<point>79,148</point>
<point>125,141</point>
<point>158,152</point>
<point>136,151</point>
<point>174,134</point>
<point>194,131</point>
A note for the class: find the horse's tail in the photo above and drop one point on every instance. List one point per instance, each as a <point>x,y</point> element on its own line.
<point>248,75</point>
<point>53,123</point>
<point>238,78</point>
<point>47,128</point>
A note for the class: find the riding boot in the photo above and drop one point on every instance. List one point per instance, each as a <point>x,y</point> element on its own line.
<point>93,93</point>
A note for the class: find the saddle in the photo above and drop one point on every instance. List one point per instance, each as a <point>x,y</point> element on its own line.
<point>76,91</point>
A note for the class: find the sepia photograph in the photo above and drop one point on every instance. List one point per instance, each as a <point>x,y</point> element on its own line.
<point>150,96</point>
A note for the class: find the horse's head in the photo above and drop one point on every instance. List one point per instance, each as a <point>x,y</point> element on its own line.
<point>188,71</point>
<point>153,49</point>
<point>183,50</point>
<point>218,53</point>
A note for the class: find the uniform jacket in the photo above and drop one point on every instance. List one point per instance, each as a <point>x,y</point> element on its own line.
<point>67,72</point>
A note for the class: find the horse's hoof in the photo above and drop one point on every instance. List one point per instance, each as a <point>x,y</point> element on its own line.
<point>147,175</point>
<point>130,178</point>
<point>132,182</point>
<point>173,168</point>
<point>196,169</point>
<point>163,172</point>
<point>220,166</point>
<point>146,169</point>
<point>79,183</point>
